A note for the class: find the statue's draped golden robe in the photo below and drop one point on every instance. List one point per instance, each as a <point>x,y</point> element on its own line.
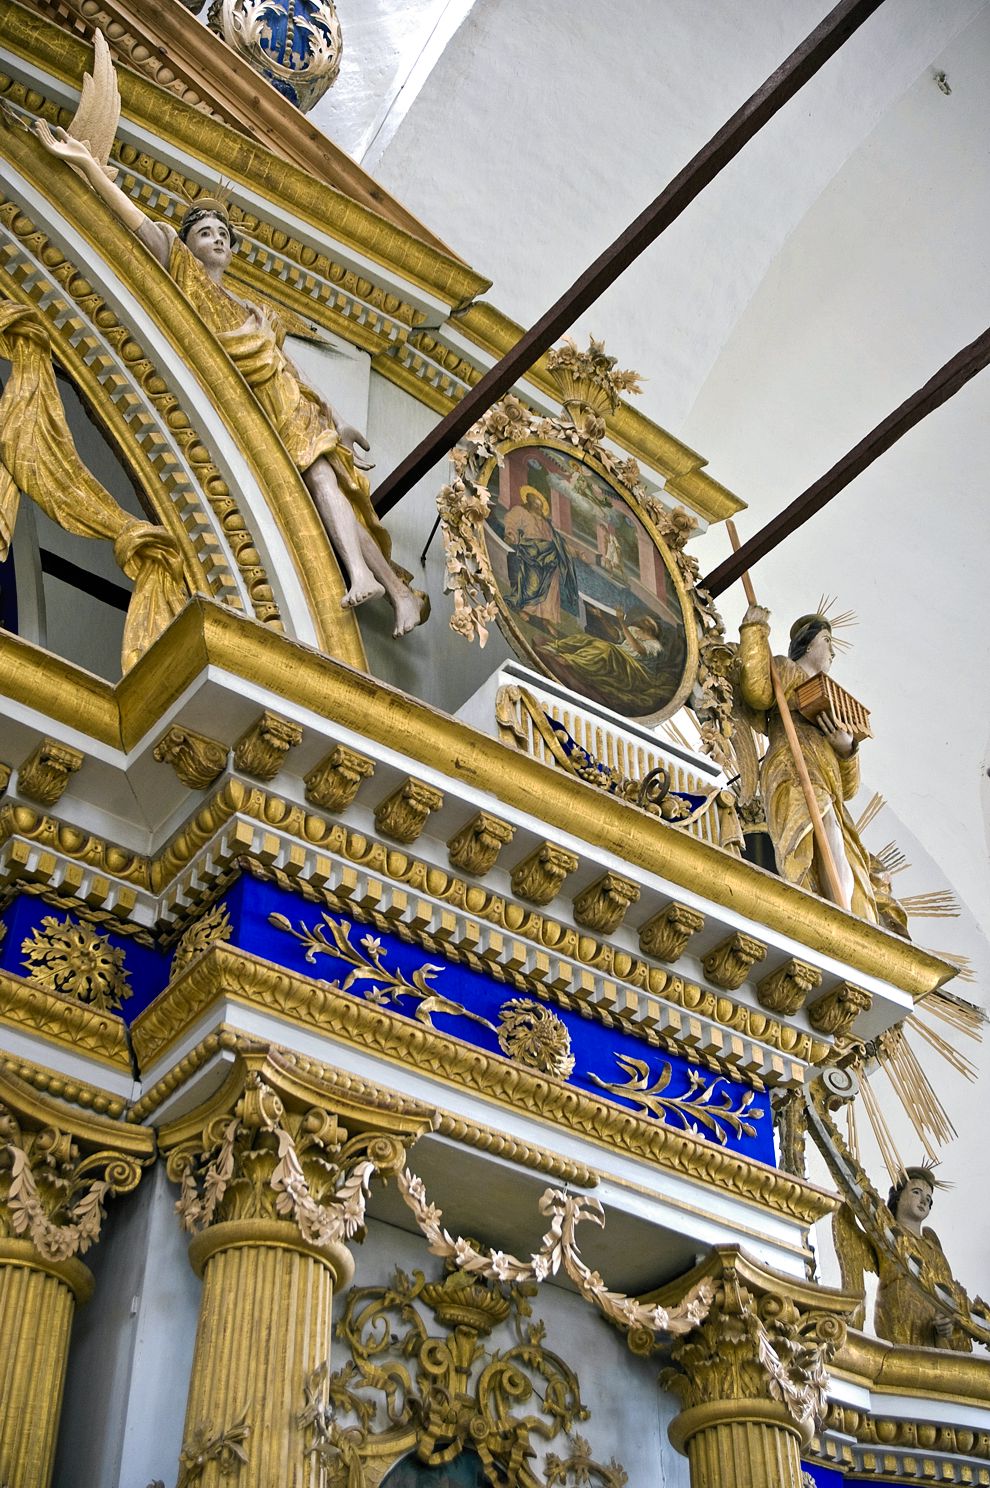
<point>903,1313</point>
<point>254,344</point>
<point>833,780</point>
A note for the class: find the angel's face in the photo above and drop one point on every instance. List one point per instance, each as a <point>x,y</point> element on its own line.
<point>209,241</point>
<point>915,1202</point>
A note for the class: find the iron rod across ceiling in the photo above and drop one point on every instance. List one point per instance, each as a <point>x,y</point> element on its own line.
<point>779,88</point>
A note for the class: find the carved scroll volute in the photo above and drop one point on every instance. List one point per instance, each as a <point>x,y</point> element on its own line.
<point>273,1186</point>
<point>58,1168</point>
<point>752,1378</point>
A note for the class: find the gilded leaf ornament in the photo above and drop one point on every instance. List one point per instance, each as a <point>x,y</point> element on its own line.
<point>226,1448</point>
<point>70,959</point>
<point>213,928</point>
<point>704,1105</point>
<point>557,1249</point>
<point>422,1376</point>
<point>332,938</point>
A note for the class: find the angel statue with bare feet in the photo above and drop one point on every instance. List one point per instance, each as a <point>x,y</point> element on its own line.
<point>196,256</point>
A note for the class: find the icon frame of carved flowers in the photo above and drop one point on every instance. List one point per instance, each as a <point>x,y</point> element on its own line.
<point>589,387</point>
<point>440,1391</point>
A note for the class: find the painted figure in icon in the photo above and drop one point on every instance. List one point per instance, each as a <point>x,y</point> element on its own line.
<point>541,571</point>
<point>621,671</point>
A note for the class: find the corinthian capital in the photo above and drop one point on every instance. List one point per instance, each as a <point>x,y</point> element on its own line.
<point>58,1167</point>
<point>272,1147</point>
<point>767,1338</point>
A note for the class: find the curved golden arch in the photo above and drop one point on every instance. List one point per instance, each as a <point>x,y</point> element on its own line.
<point>300,527</point>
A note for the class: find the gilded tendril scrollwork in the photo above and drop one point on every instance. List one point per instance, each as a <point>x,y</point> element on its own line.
<point>213,928</point>
<point>71,960</point>
<point>704,1105</point>
<point>422,1376</point>
<point>332,938</point>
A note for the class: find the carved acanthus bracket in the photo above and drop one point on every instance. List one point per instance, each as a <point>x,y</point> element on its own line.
<point>667,934</point>
<point>767,1338</point>
<point>836,1011</point>
<point>602,906</point>
<point>196,760</point>
<point>58,1167</point>
<point>402,815</point>
<point>271,1146</point>
<point>730,963</point>
<point>539,877</point>
<point>337,779</point>
<point>45,773</point>
<point>475,848</point>
<point>261,751</point>
<point>786,989</point>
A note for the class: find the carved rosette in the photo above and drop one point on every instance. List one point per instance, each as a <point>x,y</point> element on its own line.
<point>666,935</point>
<point>752,1378</point>
<point>402,815</point>
<point>261,751</point>
<point>602,906</point>
<point>58,1168</point>
<point>197,760</point>
<point>475,848</point>
<point>539,877</point>
<point>786,989</point>
<point>273,1188</point>
<point>730,963</point>
<point>337,779</point>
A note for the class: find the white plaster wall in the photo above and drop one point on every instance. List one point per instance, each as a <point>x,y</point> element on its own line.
<point>131,1349</point>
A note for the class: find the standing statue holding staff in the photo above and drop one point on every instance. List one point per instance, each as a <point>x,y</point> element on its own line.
<point>196,257</point>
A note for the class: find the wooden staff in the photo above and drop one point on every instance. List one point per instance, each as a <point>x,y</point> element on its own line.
<point>817,824</point>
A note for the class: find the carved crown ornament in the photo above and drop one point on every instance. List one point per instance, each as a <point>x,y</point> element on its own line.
<point>423,1379</point>
<point>58,1167</point>
<point>589,385</point>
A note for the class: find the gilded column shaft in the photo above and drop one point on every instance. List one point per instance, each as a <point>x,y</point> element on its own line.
<point>264,1327</point>
<point>37,1302</point>
<point>740,1452</point>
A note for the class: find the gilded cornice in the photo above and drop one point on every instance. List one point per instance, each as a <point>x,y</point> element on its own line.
<point>229,153</point>
<point>683,468</point>
<point>64,1087</point>
<point>928,1374</point>
<point>81,1030</point>
<point>241,979</point>
<point>294,512</point>
<point>95,1130</point>
<point>207,635</point>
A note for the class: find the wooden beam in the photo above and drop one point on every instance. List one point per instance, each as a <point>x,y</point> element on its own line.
<point>779,88</point>
<point>954,375</point>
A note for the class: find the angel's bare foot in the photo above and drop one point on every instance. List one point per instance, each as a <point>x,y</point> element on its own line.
<point>364,586</point>
<point>408,613</point>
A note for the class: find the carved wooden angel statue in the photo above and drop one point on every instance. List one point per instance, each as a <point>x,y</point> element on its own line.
<point>911,1266</point>
<point>829,751</point>
<point>320,445</point>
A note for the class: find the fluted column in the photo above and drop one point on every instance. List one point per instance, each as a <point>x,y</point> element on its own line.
<point>57,1168</point>
<point>273,1187</point>
<point>752,1376</point>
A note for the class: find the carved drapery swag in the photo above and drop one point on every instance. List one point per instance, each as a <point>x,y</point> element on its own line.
<point>38,456</point>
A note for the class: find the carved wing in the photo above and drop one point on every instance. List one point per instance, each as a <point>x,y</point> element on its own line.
<point>98,114</point>
<point>856,1257</point>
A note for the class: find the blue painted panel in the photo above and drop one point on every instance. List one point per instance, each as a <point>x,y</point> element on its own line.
<point>468,1004</point>
<point>146,969</point>
<point>827,1477</point>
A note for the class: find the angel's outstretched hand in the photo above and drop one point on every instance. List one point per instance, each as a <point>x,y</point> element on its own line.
<point>58,142</point>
